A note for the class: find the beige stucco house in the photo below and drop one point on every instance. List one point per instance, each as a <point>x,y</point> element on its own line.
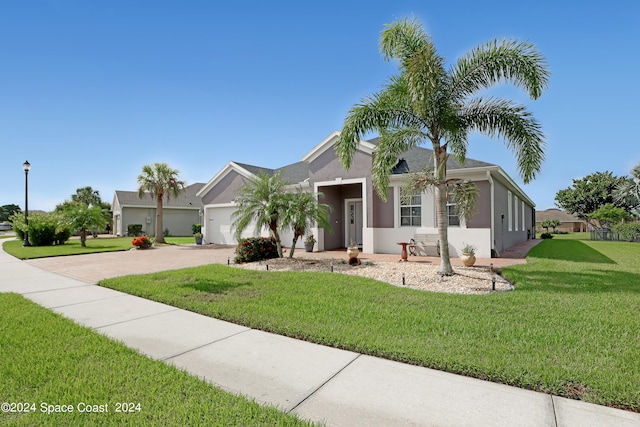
<point>505,214</point>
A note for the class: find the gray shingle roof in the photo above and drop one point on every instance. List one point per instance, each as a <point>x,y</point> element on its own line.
<point>418,158</point>
<point>186,199</point>
<point>413,160</point>
<point>293,173</point>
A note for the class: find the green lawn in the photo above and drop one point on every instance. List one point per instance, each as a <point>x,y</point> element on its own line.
<point>571,327</point>
<point>72,247</point>
<point>48,360</point>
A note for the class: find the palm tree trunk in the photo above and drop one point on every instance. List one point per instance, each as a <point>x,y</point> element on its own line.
<point>440,159</point>
<point>159,232</point>
<point>276,236</point>
<point>293,245</point>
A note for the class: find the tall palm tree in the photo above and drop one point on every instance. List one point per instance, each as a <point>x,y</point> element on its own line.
<point>160,181</point>
<point>428,102</point>
<point>303,211</point>
<point>628,191</point>
<point>262,200</point>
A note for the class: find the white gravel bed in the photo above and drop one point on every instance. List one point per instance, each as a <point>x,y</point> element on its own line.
<point>417,275</point>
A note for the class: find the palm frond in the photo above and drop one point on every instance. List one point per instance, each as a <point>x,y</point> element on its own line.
<point>519,63</point>
<point>521,132</point>
<point>465,195</point>
<point>417,183</point>
<point>386,109</point>
<point>393,142</point>
<point>402,39</point>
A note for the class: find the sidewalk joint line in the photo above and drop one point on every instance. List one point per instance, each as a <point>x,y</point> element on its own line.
<point>204,345</point>
<point>315,390</point>
<point>135,318</point>
<point>553,407</point>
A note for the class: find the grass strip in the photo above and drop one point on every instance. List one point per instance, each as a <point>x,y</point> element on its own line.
<point>47,360</point>
<point>571,328</point>
<point>72,247</point>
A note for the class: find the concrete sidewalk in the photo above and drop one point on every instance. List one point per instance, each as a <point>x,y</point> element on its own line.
<point>319,383</point>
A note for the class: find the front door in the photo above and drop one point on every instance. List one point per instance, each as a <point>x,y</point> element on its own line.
<point>354,222</point>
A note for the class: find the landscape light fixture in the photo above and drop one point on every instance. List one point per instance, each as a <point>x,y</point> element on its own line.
<point>26,166</point>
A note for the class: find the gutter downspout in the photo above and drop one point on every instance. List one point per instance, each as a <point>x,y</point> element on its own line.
<point>493,213</point>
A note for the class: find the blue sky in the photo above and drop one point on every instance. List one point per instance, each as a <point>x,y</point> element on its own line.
<point>92,91</point>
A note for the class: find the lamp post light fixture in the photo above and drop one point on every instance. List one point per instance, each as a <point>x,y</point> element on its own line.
<point>26,166</point>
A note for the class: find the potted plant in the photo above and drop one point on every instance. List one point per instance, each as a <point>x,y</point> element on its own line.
<point>353,251</point>
<point>197,233</point>
<point>468,257</point>
<point>309,242</point>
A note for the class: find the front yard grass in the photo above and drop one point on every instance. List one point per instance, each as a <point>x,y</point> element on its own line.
<point>48,360</point>
<point>571,327</point>
<point>72,246</point>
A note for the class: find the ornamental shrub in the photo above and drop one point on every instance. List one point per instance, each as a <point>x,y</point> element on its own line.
<point>142,242</point>
<point>546,236</point>
<point>134,230</point>
<point>628,231</point>
<point>255,249</point>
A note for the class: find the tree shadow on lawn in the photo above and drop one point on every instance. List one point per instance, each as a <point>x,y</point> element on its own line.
<point>213,286</point>
<point>570,250</point>
<point>594,281</point>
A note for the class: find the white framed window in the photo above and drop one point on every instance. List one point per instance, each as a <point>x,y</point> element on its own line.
<point>453,220</point>
<point>524,227</point>
<point>411,210</point>
<point>515,213</point>
<point>509,211</point>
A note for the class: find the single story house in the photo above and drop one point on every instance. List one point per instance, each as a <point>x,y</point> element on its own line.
<point>505,214</point>
<point>568,222</point>
<point>178,213</point>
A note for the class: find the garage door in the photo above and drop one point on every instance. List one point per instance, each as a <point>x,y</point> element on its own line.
<point>218,226</point>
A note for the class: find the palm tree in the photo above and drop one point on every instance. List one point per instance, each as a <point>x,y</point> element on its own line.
<point>303,211</point>
<point>628,191</point>
<point>262,200</point>
<point>160,181</point>
<point>427,102</point>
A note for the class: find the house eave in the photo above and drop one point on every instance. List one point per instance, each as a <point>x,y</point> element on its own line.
<point>329,142</point>
<point>231,166</point>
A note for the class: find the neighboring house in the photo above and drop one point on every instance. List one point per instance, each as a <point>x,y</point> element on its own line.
<point>178,213</point>
<point>568,222</point>
<point>505,214</point>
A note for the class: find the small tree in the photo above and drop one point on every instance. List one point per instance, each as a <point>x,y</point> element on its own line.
<point>302,212</point>
<point>608,215</point>
<point>161,182</point>
<point>262,200</point>
<point>82,218</point>
<point>550,223</point>
<point>7,210</point>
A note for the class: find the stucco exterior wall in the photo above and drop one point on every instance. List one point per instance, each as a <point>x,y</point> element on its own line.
<point>482,218</point>
<point>224,191</point>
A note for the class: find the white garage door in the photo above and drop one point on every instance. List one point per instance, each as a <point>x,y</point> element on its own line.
<point>218,226</point>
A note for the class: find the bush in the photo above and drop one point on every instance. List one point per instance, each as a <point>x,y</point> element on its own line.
<point>628,231</point>
<point>546,236</point>
<point>196,228</point>
<point>61,236</point>
<point>134,230</point>
<point>142,242</point>
<point>42,230</point>
<point>255,249</point>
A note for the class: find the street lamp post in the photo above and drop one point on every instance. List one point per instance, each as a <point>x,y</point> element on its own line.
<point>26,166</point>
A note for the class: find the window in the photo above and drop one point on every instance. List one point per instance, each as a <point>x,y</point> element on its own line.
<point>509,211</point>
<point>515,213</point>
<point>410,210</point>
<point>454,219</point>
<point>523,225</point>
